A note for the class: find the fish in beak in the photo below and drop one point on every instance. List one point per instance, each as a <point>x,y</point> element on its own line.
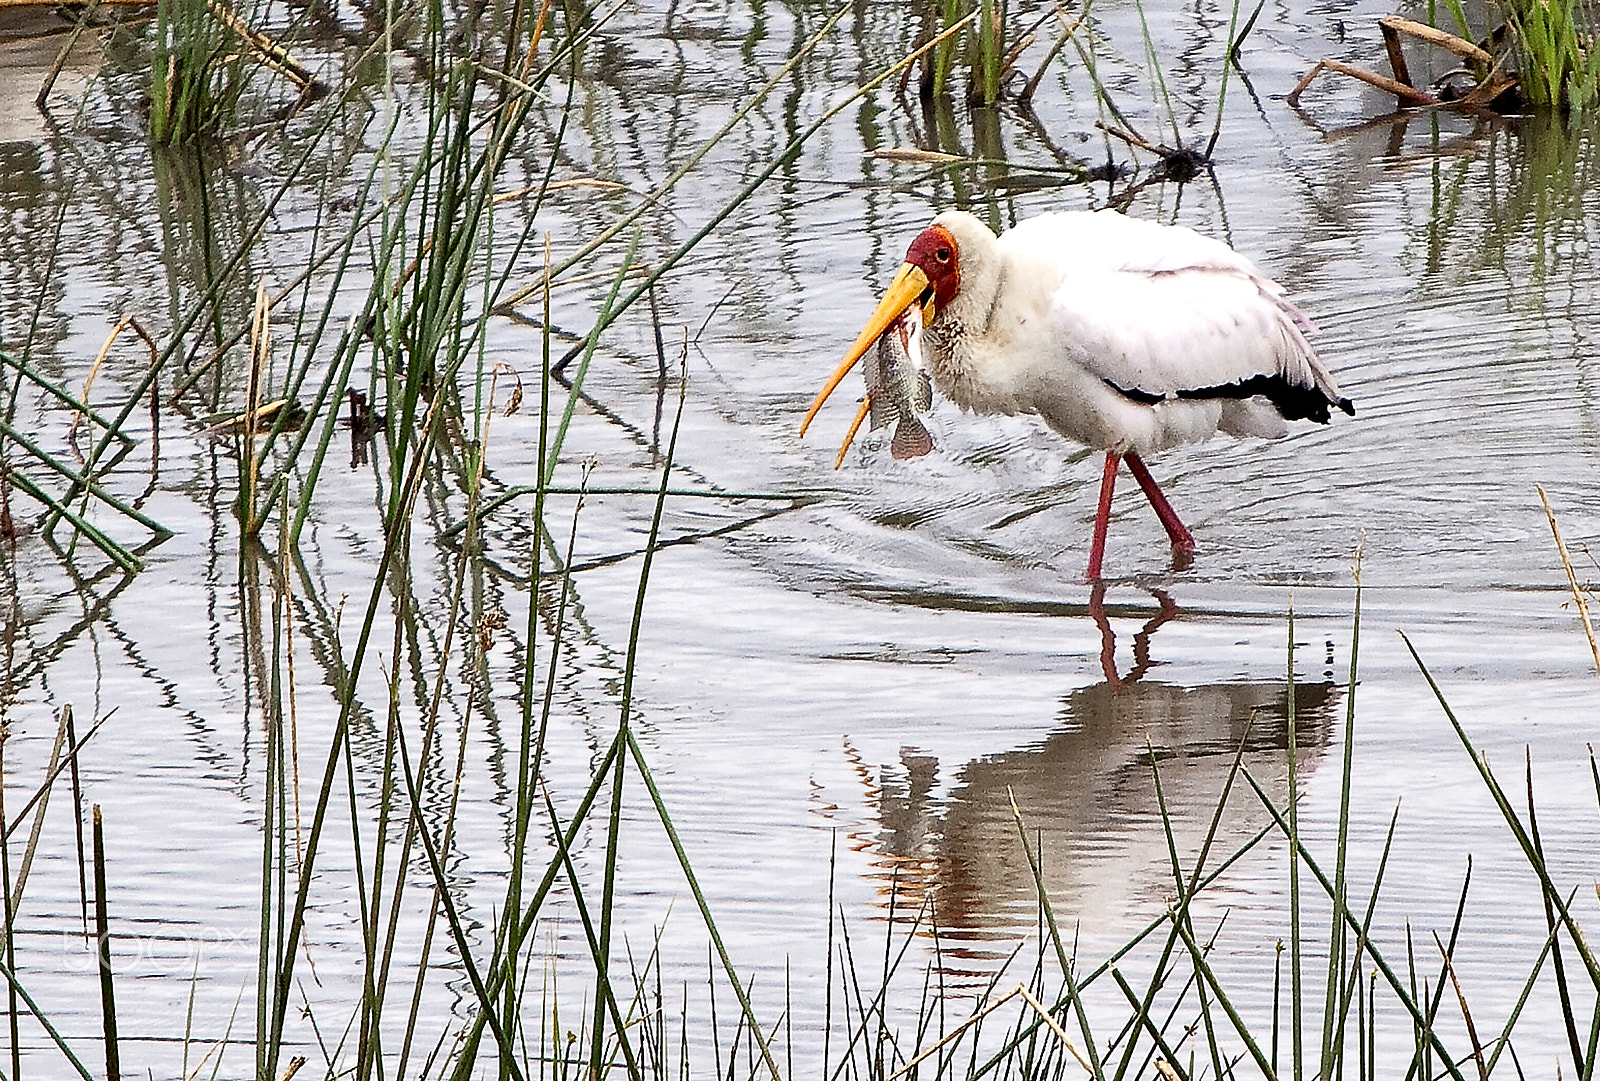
<point>910,285</point>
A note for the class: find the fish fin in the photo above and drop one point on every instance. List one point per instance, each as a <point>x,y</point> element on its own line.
<point>911,439</point>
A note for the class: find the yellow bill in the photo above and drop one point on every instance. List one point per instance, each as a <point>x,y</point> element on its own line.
<point>906,289</point>
<point>850,436</point>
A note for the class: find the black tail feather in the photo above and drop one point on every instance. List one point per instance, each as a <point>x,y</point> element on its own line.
<point>1293,401</point>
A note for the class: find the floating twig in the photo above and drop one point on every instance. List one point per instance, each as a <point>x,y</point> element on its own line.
<point>915,156</point>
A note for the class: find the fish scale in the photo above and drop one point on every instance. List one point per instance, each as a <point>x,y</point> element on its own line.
<point>899,387</point>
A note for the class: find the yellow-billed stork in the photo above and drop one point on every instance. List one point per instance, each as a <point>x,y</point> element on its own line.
<point>1122,334</point>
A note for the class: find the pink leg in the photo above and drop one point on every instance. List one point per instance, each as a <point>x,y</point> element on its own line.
<point>1182,542</point>
<point>1102,518</point>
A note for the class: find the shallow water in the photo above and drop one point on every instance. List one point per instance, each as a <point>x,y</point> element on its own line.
<point>836,694</point>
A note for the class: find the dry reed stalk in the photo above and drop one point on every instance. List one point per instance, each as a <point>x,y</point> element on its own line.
<point>127,322</point>
<point>273,54</point>
<point>1489,87</point>
<point>914,156</point>
<point>260,350</point>
<point>1434,36</point>
<point>558,185</point>
<point>62,725</point>
<point>1020,990</point>
<point>1572,579</point>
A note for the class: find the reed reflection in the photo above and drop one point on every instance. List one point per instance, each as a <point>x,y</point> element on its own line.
<point>1087,795</point>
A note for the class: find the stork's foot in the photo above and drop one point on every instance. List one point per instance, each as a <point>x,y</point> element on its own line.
<point>1183,554</point>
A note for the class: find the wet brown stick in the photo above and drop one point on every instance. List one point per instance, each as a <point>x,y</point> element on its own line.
<point>1409,94</point>
<point>1397,55</point>
<point>61,57</point>
<point>8,527</point>
<point>1494,84</point>
<point>9,945</point>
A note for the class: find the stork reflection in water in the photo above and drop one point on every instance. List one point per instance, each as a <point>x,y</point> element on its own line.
<point>946,834</point>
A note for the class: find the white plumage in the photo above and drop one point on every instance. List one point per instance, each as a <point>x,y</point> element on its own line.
<point>1121,334</point>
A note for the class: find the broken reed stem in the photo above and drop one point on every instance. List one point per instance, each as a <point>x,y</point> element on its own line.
<point>43,800</point>
<point>1371,78</point>
<point>108,1001</point>
<point>1572,579</point>
<point>42,101</point>
<point>127,322</point>
<point>1466,1014</point>
<point>77,811</point>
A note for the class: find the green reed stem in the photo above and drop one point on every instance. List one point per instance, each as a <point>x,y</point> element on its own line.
<point>39,1015</point>
<point>1332,1046</point>
<point>113,551</point>
<point>608,311</point>
<point>1074,996</point>
<point>62,396</point>
<point>1508,813</point>
<point>87,483</point>
<point>1405,997</point>
<point>1227,69</point>
<point>108,998</point>
<point>1296,1007</point>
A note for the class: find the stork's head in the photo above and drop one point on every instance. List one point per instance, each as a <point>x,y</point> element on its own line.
<point>933,262</point>
<point>929,277</point>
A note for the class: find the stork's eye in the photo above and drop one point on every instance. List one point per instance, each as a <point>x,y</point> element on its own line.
<point>942,254</point>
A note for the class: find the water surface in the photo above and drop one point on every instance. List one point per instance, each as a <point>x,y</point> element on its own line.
<point>840,695</point>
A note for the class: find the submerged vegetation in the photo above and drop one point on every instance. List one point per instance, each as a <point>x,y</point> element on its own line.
<point>1559,54</point>
<point>438,171</point>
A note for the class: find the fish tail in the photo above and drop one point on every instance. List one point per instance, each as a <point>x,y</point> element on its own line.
<point>911,439</point>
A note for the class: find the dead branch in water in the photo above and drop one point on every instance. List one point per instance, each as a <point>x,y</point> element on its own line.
<point>1491,79</point>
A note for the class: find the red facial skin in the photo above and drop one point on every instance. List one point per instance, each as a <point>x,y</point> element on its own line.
<point>934,252</point>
